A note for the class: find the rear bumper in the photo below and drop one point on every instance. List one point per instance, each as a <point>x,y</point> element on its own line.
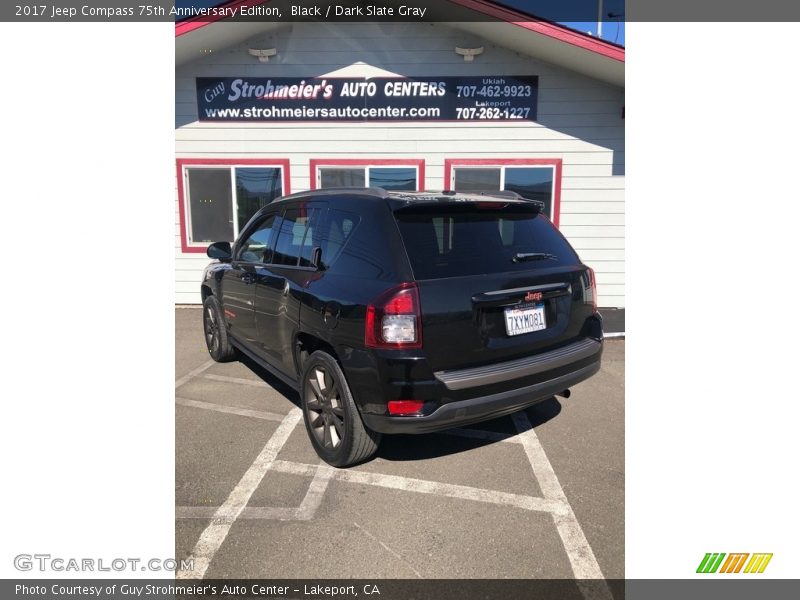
<point>474,410</point>
<point>523,367</point>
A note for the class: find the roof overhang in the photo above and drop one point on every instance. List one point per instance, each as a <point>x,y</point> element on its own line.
<point>516,31</point>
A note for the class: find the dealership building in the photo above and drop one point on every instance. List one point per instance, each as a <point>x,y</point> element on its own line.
<point>497,100</point>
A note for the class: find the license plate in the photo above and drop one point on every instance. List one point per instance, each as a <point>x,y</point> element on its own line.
<point>525,319</point>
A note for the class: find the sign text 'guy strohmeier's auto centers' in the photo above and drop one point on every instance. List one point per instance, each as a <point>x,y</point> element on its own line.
<point>484,98</point>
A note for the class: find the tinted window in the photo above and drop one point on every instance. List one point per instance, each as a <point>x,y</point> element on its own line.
<point>463,240</point>
<point>390,178</point>
<point>477,180</point>
<point>535,183</point>
<point>312,236</point>
<point>393,178</point>
<point>341,178</point>
<point>255,188</point>
<point>334,232</point>
<point>290,237</point>
<point>255,247</point>
<point>210,205</point>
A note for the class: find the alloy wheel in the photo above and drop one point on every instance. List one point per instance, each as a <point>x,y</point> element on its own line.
<point>212,330</point>
<point>324,408</point>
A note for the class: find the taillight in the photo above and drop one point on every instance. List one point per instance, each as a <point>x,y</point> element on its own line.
<point>394,319</point>
<point>590,292</point>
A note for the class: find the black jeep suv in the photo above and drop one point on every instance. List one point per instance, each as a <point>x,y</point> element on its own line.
<point>403,312</point>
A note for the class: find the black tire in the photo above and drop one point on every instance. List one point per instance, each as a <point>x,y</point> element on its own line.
<point>332,420</point>
<point>215,333</point>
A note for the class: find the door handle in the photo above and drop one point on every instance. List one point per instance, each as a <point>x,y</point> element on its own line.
<point>247,278</point>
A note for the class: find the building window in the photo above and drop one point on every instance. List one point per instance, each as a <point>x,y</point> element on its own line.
<point>537,179</point>
<point>333,177</point>
<point>219,196</point>
<point>388,174</point>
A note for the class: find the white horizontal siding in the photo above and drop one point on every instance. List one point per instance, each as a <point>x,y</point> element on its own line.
<point>587,170</point>
<point>613,267</point>
<point>568,219</point>
<point>576,232</point>
<point>610,295</point>
<point>578,122</point>
<point>592,196</point>
<point>241,132</point>
<point>610,279</point>
<point>595,187</point>
<point>597,243</point>
<point>598,207</point>
<point>592,255</point>
<point>576,152</point>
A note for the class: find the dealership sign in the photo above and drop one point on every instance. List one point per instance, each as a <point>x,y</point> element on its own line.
<point>487,98</point>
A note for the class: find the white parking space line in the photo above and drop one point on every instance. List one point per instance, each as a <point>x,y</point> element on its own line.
<point>238,380</point>
<point>316,490</point>
<point>581,558</point>
<point>274,513</point>
<point>214,535</point>
<point>479,434</point>
<point>294,468</point>
<point>193,374</point>
<point>423,486</point>
<point>232,410</point>
<point>266,513</point>
<point>449,490</point>
<point>322,475</point>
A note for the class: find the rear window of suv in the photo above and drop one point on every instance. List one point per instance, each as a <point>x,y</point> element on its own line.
<point>467,239</point>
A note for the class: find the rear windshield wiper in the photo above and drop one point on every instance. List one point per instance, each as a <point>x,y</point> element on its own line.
<point>526,256</point>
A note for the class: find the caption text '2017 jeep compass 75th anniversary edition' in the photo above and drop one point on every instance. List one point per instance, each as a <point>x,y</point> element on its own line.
<point>403,312</point>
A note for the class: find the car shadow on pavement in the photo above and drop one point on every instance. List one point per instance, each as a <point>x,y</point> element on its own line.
<point>271,380</point>
<point>433,445</point>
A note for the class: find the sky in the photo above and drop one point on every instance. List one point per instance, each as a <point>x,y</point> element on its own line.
<point>577,14</point>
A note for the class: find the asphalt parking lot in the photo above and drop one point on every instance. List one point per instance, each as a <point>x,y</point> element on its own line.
<point>539,494</point>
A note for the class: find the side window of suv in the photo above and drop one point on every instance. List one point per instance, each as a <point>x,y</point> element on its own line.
<point>337,229</point>
<point>316,224</point>
<point>256,247</point>
<point>296,233</point>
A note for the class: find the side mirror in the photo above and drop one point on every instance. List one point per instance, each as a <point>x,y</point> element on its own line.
<point>220,251</point>
<point>316,257</point>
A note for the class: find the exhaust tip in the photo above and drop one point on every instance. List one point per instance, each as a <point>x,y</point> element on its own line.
<point>564,394</point>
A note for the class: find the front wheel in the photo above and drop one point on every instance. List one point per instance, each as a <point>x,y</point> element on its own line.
<point>332,420</point>
<point>217,342</point>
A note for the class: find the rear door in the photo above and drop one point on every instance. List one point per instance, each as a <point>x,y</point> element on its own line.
<point>497,281</point>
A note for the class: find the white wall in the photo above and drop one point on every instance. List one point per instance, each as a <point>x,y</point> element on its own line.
<point>579,121</point>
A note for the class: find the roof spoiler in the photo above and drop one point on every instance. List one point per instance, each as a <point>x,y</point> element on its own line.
<point>499,194</point>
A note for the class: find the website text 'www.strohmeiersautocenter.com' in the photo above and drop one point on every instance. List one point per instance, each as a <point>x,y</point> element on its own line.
<point>307,112</point>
